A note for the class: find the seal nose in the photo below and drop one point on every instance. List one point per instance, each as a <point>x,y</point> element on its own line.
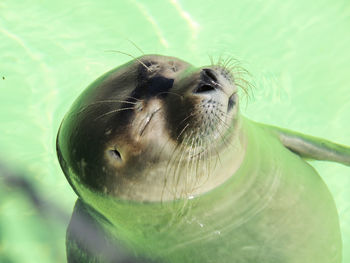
<point>208,81</point>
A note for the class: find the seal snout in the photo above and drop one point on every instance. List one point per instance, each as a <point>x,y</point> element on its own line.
<point>213,80</point>
<point>215,84</point>
<point>208,81</point>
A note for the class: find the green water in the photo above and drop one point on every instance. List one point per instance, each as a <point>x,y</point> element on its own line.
<point>298,54</point>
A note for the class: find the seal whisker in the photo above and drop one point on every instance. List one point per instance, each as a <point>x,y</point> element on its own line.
<point>182,131</point>
<point>134,98</point>
<point>229,63</point>
<point>211,60</point>
<point>109,101</point>
<point>244,85</point>
<point>220,59</point>
<point>170,161</point>
<point>238,70</point>
<point>198,172</point>
<point>209,157</point>
<point>224,113</point>
<point>188,116</point>
<point>137,47</point>
<point>214,148</point>
<point>167,142</point>
<point>190,171</point>
<point>193,170</point>
<point>198,177</point>
<point>182,153</point>
<point>127,54</point>
<point>113,111</point>
<point>226,62</point>
<point>178,176</point>
<point>232,66</point>
<point>189,159</point>
<point>217,117</point>
<point>168,172</point>
<point>170,92</point>
<point>101,102</point>
<point>222,122</point>
<point>206,157</point>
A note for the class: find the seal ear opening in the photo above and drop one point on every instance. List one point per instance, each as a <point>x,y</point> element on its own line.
<point>115,155</point>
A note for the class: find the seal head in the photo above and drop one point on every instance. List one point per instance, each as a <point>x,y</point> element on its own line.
<point>144,130</point>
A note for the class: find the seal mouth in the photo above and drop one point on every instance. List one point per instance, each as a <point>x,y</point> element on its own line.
<point>147,121</point>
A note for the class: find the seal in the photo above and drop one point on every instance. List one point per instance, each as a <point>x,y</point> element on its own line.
<point>166,169</point>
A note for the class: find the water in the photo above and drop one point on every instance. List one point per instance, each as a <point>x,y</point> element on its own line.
<point>298,54</point>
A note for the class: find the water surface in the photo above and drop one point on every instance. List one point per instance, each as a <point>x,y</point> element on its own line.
<point>297,52</point>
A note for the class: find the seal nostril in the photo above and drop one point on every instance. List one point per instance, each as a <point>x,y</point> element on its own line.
<point>210,73</point>
<point>204,88</point>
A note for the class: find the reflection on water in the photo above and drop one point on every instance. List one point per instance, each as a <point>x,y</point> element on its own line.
<point>297,53</point>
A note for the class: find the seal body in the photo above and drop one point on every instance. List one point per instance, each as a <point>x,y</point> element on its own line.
<point>164,193</point>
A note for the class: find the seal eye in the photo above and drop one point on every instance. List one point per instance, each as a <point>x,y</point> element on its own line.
<point>115,155</point>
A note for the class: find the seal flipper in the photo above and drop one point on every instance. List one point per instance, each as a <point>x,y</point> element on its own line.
<point>310,147</point>
<point>87,242</point>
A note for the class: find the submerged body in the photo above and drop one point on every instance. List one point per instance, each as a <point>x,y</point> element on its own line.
<point>275,208</point>
<point>258,201</point>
